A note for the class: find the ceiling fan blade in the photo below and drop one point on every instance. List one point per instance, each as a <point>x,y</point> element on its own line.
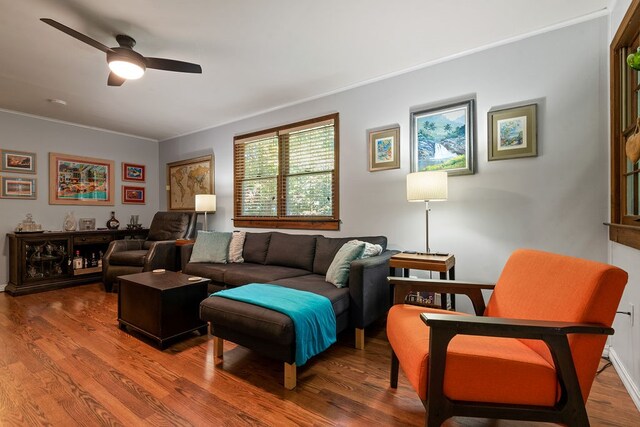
<point>115,80</point>
<point>172,65</point>
<point>73,33</point>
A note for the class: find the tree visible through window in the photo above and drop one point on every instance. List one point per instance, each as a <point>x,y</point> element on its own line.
<point>625,116</point>
<point>287,177</point>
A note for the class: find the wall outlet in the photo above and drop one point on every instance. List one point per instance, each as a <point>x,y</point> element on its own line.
<point>632,309</point>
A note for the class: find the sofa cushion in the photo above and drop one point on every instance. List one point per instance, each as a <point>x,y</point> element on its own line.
<point>327,248</point>
<point>211,246</point>
<point>338,272</point>
<point>291,250</point>
<point>255,247</point>
<point>257,273</point>
<point>248,319</point>
<point>131,258</point>
<point>211,271</point>
<point>236,246</point>
<point>316,283</point>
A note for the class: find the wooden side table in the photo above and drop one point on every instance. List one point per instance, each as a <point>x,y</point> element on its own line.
<point>444,264</point>
<point>179,244</point>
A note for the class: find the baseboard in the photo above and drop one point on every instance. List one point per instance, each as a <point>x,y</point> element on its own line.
<point>625,377</point>
<point>2,287</point>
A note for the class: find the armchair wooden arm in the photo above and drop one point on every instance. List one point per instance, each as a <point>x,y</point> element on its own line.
<point>444,327</point>
<point>403,286</point>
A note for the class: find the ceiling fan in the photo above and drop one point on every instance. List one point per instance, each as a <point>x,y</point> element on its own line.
<point>124,62</point>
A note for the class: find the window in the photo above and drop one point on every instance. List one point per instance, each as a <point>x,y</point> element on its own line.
<point>625,113</point>
<point>287,177</point>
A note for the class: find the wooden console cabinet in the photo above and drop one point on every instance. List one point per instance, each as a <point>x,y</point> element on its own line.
<point>43,261</point>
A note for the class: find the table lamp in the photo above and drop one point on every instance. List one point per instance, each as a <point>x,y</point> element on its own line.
<point>427,187</point>
<point>205,203</point>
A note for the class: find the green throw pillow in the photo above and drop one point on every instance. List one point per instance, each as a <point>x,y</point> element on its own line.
<point>211,246</point>
<point>338,272</point>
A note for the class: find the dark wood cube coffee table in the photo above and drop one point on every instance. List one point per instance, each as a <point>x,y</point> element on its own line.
<point>162,306</point>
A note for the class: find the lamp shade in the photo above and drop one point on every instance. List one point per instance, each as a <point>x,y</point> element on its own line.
<point>427,186</point>
<point>205,202</point>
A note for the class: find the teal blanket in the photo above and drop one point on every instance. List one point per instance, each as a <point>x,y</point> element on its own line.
<point>313,317</point>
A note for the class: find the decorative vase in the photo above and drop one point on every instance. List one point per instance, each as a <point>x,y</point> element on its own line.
<point>69,221</point>
<point>113,223</point>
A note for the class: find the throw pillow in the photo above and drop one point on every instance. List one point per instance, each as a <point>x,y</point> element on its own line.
<point>338,272</point>
<point>369,249</point>
<point>211,246</point>
<point>236,246</point>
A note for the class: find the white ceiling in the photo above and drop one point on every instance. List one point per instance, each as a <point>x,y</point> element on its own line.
<point>256,55</point>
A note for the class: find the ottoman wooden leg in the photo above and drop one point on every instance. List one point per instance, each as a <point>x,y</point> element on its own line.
<point>360,338</point>
<point>289,376</point>
<point>218,344</point>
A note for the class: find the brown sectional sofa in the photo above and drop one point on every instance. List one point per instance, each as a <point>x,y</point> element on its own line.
<point>299,262</point>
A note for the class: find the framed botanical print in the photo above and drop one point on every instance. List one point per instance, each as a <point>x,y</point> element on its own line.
<point>442,138</point>
<point>513,133</point>
<point>384,149</point>
<point>132,172</point>
<point>76,180</point>
<point>186,178</point>
<point>18,161</point>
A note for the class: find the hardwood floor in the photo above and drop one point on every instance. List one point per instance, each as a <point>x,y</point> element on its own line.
<point>63,361</point>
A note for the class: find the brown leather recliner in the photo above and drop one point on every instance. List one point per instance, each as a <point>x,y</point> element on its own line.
<point>158,250</point>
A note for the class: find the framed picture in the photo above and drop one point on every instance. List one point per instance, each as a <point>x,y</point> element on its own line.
<point>442,138</point>
<point>132,195</point>
<point>18,188</point>
<point>513,133</point>
<point>186,178</point>
<point>75,180</point>
<point>131,172</point>
<point>18,161</point>
<point>384,149</point>
<point>86,224</point>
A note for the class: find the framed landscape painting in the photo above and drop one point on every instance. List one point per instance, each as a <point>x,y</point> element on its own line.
<point>18,161</point>
<point>132,195</point>
<point>18,188</point>
<point>186,178</point>
<point>384,149</point>
<point>131,172</point>
<point>75,180</point>
<point>442,138</point>
<point>513,133</point>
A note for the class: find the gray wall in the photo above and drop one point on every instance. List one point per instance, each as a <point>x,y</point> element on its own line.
<point>625,344</point>
<point>26,133</point>
<point>556,201</point>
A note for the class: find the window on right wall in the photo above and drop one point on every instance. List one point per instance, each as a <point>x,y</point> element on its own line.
<point>625,123</point>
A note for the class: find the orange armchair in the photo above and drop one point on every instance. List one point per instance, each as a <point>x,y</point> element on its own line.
<point>534,353</point>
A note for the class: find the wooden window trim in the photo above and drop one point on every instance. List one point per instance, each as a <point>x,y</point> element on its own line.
<point>288,222</point>
<point>623,229</point>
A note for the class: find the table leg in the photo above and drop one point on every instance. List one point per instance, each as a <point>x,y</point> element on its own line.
<point>444,297</point>
<point>452,276</point>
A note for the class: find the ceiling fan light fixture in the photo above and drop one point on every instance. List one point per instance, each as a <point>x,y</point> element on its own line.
<point>126,63</point>
<point>126,70</point>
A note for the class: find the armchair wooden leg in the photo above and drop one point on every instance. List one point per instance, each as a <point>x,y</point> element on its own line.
<point>218,344</point>
<point>395,365</point>
<point>289,376</point>
<point>360,338</point>
<point>437,405</point>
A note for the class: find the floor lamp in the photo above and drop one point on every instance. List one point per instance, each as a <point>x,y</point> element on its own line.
<point>205,203</point>
<point>427,187</point>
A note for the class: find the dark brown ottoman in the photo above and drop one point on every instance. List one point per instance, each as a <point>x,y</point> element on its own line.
<point>266,331</point>
<point>162,306</point>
